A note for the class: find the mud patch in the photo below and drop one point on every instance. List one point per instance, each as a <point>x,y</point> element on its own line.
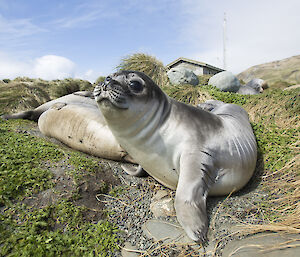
<point>83,193</point>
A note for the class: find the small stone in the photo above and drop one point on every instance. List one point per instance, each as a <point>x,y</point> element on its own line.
<point>163,208</point>
<point>162,205</point>
<point>160,194</point>
<point>165,231</point>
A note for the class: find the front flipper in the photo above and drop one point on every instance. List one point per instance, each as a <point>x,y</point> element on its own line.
<point>197,174</point>
<point>135,171</point>
<point>26,115</point>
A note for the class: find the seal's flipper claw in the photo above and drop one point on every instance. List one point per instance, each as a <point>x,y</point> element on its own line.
<point>135,171</point>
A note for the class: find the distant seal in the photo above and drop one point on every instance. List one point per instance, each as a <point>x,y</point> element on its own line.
<point>253,87</point>
<point>76,120</point>
<point>195,151</point>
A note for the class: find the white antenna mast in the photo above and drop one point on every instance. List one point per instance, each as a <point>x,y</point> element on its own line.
<point>224,42</point>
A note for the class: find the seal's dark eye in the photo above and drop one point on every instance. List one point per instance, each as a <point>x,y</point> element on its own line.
<point>136,86</point>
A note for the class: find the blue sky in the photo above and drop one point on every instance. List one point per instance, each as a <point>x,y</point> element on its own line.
<point>86,39</point>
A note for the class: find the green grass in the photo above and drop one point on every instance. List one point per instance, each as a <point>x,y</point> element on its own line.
<point>56,230</point>
<point>59,229</point>
<point>275,145</point>
<point>22,155</point>
<point>83,164</point>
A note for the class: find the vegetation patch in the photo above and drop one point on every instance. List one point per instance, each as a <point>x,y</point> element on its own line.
<point>24,93</point>
<point>56,230</point>
<point>147,64</point>
<point>21,172</point>
<point>72,224</point>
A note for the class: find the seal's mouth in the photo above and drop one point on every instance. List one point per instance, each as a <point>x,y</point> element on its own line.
<point>113,93</point>
<point>99,94</point>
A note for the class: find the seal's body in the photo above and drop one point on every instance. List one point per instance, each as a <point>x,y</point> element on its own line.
<point>185,148</point>
<point>82,127</point>
<point>76,120</point>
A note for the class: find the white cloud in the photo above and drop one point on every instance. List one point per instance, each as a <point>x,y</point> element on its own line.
<point>53,67</point>
<point>45,67</point>
<point>257,31</point>
<point>11,68</point>
<point>89,75</point>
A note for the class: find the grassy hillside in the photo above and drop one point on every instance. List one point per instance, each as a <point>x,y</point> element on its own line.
<point>42,214</point>
<point>279,74</point>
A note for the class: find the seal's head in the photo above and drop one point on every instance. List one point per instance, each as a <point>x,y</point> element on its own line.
<point>127,93</point>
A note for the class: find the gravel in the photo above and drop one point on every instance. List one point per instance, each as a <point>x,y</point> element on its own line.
<point>131,208</point>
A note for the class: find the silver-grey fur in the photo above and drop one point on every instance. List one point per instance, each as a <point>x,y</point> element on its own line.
<point>195,151</point>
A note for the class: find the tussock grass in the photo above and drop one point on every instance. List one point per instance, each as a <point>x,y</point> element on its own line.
<point>17,96</point>
<point>188,94</point>
<point>283,210</point>
<point>147,64</point>
<point>24,93</point>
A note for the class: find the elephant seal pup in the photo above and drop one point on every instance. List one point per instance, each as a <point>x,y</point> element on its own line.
<point>76,121</point>
<point>81,97</point>
<point>185,148</point>
<point>253,87</point>
<point>82,127</point>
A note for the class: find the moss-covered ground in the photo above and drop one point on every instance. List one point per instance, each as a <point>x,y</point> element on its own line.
<point>33,226</point>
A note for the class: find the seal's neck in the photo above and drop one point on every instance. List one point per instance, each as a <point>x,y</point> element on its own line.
<point>141,120</point>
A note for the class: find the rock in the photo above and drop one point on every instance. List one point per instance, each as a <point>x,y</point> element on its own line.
<point>261,245</point>
<point>225,81</point>
<point>167,232</point>
<point>172,234</point>
<point>179,76</point>
<point>129,250</point>
<point>162,205</point>
<point>160,194</point>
